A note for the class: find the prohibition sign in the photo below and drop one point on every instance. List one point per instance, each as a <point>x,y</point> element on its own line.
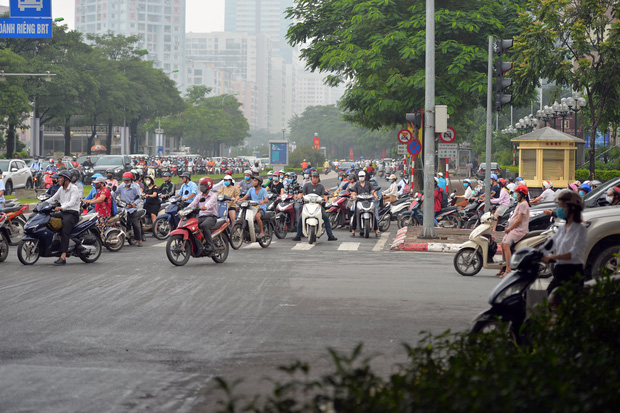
<point>404,136</point>
<point>414,147</point>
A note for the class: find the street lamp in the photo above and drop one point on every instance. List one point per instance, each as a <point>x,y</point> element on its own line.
<point>59,19</point>
<point>283,132</point>
<point>575,103</point>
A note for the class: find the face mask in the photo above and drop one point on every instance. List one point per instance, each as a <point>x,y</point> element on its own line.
<point>290,181</point>
<point>127,184</point>
<point>226,183</point>
<point>276,179</point>
<point>609,199</point>
<point>466,185</point>
<point>581,193</point>
<point>306,176</point>
<point>247,178</point>
<point>362,178</point>
<point>340,178</point>
<point>560,212</point>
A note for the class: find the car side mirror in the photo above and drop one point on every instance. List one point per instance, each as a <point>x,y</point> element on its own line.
<point>14,169</point>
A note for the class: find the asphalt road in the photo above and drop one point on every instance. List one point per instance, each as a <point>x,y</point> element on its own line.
<point>133,333</point>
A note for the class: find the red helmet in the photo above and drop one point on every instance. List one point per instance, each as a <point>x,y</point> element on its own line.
<point>206,181</point>
<point>228,172</point>
<point>128,175</point>
<point>502,181</point>
<point>523,189</point>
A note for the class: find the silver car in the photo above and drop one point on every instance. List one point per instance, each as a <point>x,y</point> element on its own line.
<point>603,239</point>
<point>15,174</point>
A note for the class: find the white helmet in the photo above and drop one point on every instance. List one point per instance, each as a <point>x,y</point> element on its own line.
<point>228,177</point>
<point>548,184</point>
<point>440,174</point>
<point>270,173</point>
<point>247,172</point>
<point>362,173</point>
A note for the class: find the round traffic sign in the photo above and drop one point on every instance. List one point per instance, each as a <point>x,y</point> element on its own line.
<point>404,136</point>
<point>449,136</point>
<point>414,147</point>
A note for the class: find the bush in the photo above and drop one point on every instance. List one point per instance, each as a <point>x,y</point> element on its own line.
<point>571,365</point>
<point>308,153</point>
<point>601,175</point>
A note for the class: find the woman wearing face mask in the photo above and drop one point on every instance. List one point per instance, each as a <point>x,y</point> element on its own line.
<point>276,187</point>
<point>152,203</point>
<point>391,194</point>
<point>613,196</point>
<point>362,187</point>
<point>469,192</point>
<point>569,242</point>
<point>231,191</point>
<point>246,183</point>
<point>517,226</point>
<point>584,189</point>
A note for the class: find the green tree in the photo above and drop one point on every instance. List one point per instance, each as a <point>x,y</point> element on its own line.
<point>14,102</point>
<point>377,47</point>
<point>574,43</point>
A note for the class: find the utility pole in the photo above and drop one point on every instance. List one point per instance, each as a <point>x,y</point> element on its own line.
<point>428,230</point>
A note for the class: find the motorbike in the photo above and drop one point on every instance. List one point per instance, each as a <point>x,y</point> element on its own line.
<point>450,217</point>
<point>285,219</point>
<point>15,221</point>
<point>326,170</point>
<point>245,228</point>
<point>337,211</point>
<point>508,298</point>
<point>478,252</point>
<point>125,224</point>
<point>312,218</point>
<point>5,237</point>
<point>391,211</point>
<point>113,237</point>
<point>166,222</point>
<point>187,240</point>
<point>365,214</point>
<point>38,181</point>
<point>413,216</point>
<point>42,237</point>
<point>48,179</point>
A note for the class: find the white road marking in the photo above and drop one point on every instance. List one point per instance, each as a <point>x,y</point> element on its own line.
<point>381,243</point>
<point>252,246</point>
<point>349,246</point>
<point>161,244</point>
<point>302,246</point>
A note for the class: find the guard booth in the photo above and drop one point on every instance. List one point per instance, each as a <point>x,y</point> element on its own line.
<point>547,155</point>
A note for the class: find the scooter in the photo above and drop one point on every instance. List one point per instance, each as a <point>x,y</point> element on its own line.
<point>15,221</point>
<point>125,223</point>
<point>337,211</point>
<point>285,216</point>
<point>42,237</point>
<point>168,221</point>
<point>478,252</point>
<point>312,218</point>
<point>5,237</point>
<point>187,240</point>
<point>113,237</point>
<point>450,217</point>
<point>245,228</point>
<point>414,215</point>
<point>365,213</point>
<point>508,298</point>
<point>391,211</point>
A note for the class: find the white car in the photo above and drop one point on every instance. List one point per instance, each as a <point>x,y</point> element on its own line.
<point>15,174</point>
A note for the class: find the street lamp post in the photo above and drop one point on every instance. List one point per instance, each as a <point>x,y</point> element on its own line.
<point>283,132</point>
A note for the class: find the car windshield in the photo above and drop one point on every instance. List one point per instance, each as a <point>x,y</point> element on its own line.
<point>4,165</point>
<point>601,188</point>
<point>111,160</point>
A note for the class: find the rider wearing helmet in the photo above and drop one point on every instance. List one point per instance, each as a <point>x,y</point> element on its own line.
<point>259,194</point>
<point>469,191</point>
<point>129,192</point>
<point>54,186</point>
<point>569,241</point>
<point>189,189</point>
<point>442,181</point>
<point>51,167</point>
<point>166,189</point>
<point>276,187</point>
<point>69,197</point>
<point>584,189</point>
<point>207,217</point>
<point>93,191</point>
<point>362,187</point>
<point>102,201</point>
<point>306,178</point>
<point>613,195</point>
<point>229,189</point>
<point>292,188</point>
<point>518,226</point>
<point>502,201</point>
<point>75,179</point>
<point>314,187</point>
<point>548,195</point>
<point>246,184</point>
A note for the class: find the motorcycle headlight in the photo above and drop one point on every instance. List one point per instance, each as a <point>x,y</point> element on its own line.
<point>536,213</point>
<point>516,288</point>
<point>328,205</point>
<point>245,204</point>
<point>117,170</point>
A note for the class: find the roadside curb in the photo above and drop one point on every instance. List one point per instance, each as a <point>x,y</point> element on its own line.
<point>399,240</point>
<point>400,244</point>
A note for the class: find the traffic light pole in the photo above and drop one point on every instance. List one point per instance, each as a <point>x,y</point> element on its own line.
<point>487,172</point>
<point>428,230</point>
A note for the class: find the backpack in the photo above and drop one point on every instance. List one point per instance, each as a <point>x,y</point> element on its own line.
<point>444,198</point>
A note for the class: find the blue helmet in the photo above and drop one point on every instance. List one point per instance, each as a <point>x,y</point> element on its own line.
<point>306,171</point>
<point>293,176</point>
<point>167,174</point>
<point>494,177</point>
<point>519,178</point>
<point>586,188</point>
<point>95,176</point>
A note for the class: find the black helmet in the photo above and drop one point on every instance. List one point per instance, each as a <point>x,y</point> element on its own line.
<point>314,173</point>
<point>258,178</point>
<point>75,175</point>
<point>186,175</point>
<point>65,174</point>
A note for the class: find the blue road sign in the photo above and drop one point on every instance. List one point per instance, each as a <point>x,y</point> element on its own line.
<point>41,9</point>
<point>160,150</point>
<point>26,28</point>
<point>414,147</point>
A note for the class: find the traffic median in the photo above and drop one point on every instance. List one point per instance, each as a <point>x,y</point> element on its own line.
<point>448,240</point>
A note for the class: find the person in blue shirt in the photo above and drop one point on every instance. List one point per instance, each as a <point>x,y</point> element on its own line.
<point>259,194</point>
<point>51,167</point>
<point>93,192</point>
<point>442,181</point>
<point>188,190</point>
<point>129,192</point>
<point>36,166</point>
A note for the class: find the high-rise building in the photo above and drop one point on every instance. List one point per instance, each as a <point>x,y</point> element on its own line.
<point>160,24</point>
<point>261,16</point>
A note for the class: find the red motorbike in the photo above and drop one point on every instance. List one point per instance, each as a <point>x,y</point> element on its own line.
<point>337,210</point>
<point>15,222</point>
<point>285,218</point>
<point>48,179</point>
<point>174,169</point>
<point>188,241</point>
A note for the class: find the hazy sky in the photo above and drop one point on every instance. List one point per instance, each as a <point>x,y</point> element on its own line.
<point>201,15</point>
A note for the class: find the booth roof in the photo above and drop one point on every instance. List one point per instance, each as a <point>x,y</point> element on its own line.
<point>547,134</point>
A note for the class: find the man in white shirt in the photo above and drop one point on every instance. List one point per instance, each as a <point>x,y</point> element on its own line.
<point>548,195</point>
<point>69,197</point>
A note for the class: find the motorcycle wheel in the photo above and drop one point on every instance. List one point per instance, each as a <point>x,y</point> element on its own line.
<point>404,221</point>
<point>221,256</point>
<point>450,221</point>
<point>461,258</point>
<point>98,248</point>
<point>279,228</point>
<point>17,231</point>
<point>265,241</point>
<point>385,222</point>
<point>312,235</point>
<point>236,236</point>
<point>333,219</point>
<point>490,323</point>
<point>366,229</point>
<point>114,240</point>
<point>28,252</point>
<point>161,229</point>
<point>4,248</point>
<point>178,250</point>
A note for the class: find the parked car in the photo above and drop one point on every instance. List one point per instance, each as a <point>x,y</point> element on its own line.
<point>603,239</point>
<point>495,169</point>
<point>120,164</point>
<point>15,174</point>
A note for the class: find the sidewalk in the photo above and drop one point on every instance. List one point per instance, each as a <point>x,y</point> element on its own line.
<point>448,240</point>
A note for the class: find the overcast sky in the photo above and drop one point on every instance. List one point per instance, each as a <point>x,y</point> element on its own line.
<point>201,15</point>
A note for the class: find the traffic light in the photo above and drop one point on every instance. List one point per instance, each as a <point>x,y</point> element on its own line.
<point>416,118</point>
<point>501,67</point>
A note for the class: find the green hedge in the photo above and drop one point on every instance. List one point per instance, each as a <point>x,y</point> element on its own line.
<point>601,175</point>
<point>571,364</point>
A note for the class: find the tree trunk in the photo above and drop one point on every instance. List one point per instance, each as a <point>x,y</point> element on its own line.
<point>10,141</point>
<point>91,138</point>
<point>67,135</point>
<point>108,139</point>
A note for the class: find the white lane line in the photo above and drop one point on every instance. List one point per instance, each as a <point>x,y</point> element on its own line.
<point>161,244</point>
<point>349,246</point>
<point>381,243</point>
<point>302,246</point>
<point>252,246</point>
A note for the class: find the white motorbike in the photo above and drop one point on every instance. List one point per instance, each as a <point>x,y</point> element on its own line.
<point>478,252</point>
<point>245,228</point>
<point>312,218</point>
